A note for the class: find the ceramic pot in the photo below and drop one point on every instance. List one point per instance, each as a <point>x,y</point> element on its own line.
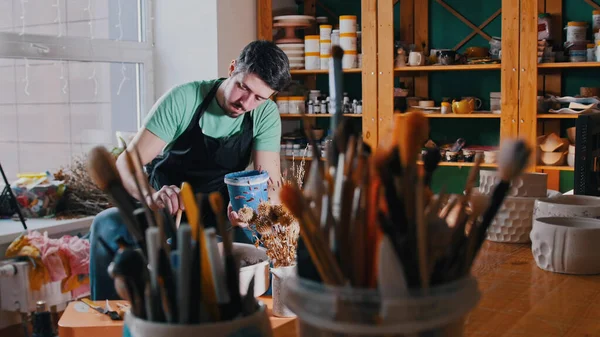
<point>525,185</point>
<point>280,276</point>
<point>568,206</point>
<point>566,245</point>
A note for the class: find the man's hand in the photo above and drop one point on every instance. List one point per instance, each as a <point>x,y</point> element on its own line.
<point>234,218</point>
<point>168,197</point>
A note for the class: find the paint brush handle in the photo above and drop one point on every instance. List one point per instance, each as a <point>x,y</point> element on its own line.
<point>184,239</point>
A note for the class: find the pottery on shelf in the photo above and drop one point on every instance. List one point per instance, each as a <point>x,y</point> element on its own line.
<point>290,23</point>
<point>566,245</point>
<point>554,158</point>
<point>571,132</point>
<point>552,142</point>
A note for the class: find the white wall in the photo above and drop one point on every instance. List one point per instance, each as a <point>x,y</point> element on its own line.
<point>236,27</point>
<point>185,38</point>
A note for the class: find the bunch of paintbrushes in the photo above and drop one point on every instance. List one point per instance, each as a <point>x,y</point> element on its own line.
<point>173,274</point>
<point>372,221</point>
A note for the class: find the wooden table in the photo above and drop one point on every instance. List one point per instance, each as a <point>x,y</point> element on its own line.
<point>519,299</point>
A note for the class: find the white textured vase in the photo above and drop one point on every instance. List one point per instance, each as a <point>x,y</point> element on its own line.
<point>280,276</point>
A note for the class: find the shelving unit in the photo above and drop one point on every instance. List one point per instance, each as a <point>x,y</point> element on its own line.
<point>368,19</point>
<point>455,67</point>
<point>568,65</point>
<point>548,78</point>
<point>295,116</point>
<point>557,116</point>
<point>473,115</point>
<point>321,72</point>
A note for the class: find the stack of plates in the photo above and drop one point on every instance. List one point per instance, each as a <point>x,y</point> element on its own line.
<point>295,54</point>
<point>293,47</point>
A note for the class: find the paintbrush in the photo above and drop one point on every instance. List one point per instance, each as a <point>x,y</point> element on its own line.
<point>103,172</point>
<point>231,266</point>
<point>335,92</point>
<point>322,257</point>
<point>193,211</point>
<point>134,173</point>
<point>512,159</point>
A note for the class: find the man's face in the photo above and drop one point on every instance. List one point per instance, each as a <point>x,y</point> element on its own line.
<point>243,93</point>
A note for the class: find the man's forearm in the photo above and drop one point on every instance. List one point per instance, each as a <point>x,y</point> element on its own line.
<point>128,179</point>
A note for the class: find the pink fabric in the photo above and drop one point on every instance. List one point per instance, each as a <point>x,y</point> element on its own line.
<point>74,249</point>
<point>77,251</point>
<point>49,249</point>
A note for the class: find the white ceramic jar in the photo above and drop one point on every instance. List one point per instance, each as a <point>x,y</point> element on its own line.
<point>348,24</point>
<point>296,105</point>
<point>283,104</point>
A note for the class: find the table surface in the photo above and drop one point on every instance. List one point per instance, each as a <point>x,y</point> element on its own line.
<point>519,299</point>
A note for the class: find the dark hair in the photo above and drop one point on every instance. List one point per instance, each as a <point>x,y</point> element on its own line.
<point>267,61</point>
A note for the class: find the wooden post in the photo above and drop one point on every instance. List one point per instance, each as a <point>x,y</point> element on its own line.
<point>385,51</point>
<point>509,68</point>
<point>422,42</point>
<point>264,20</point>
<point>407,34</point>
<point>552,81</point>
<point>369,72</point>
<point>528,73</point>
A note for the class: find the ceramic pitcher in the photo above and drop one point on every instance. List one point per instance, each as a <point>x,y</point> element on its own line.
<point>464,106</point>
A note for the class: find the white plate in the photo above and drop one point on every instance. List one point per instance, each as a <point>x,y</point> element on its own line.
<point>290,46</point>
<point>426,108</point>
<point>296,59</point>
<point>294,18</point>
<point>294,53</point>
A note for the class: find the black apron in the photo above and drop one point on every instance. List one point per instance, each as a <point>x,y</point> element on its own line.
<point>203,161</point>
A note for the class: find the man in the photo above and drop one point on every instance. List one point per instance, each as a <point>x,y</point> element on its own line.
<point>198,132</point>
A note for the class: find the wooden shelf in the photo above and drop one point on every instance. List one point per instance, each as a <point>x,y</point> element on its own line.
<point>448,68</point>
<point>299,158</point>
<point>323,71</point>
<point>555,168</point>
<point>461,164</point>
<point>297,116</point>
<point>453,115</point>
<point>567,65</point>
<point>557,116</point>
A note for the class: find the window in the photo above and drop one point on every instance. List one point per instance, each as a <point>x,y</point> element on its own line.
<point>72,74</point>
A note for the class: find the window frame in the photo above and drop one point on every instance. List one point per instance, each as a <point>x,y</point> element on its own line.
<point>67,48</point>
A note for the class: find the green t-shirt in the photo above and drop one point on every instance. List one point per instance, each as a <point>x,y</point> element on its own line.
<point>173,112</point>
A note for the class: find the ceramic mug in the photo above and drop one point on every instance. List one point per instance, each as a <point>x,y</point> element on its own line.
<point>415,58</point>
<point>447,56</point>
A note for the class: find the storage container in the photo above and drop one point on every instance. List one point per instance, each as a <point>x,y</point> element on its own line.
<point>296,105</point>
<point>348,24</point>
<point>576,31</point>
<point>348,41</point>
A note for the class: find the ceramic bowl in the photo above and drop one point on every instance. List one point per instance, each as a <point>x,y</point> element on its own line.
<point>572,149</point>
<point>451,156</point>
<point>469,155</point>
<point>571,159</point>
<point>554,158</point>
<point>525,185</point>
<point>568,206</point>
<point>551,142</point>
<point>571,132</point>
<point>253,263</point>
<point>566,245</point>
<point>490,157</point>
